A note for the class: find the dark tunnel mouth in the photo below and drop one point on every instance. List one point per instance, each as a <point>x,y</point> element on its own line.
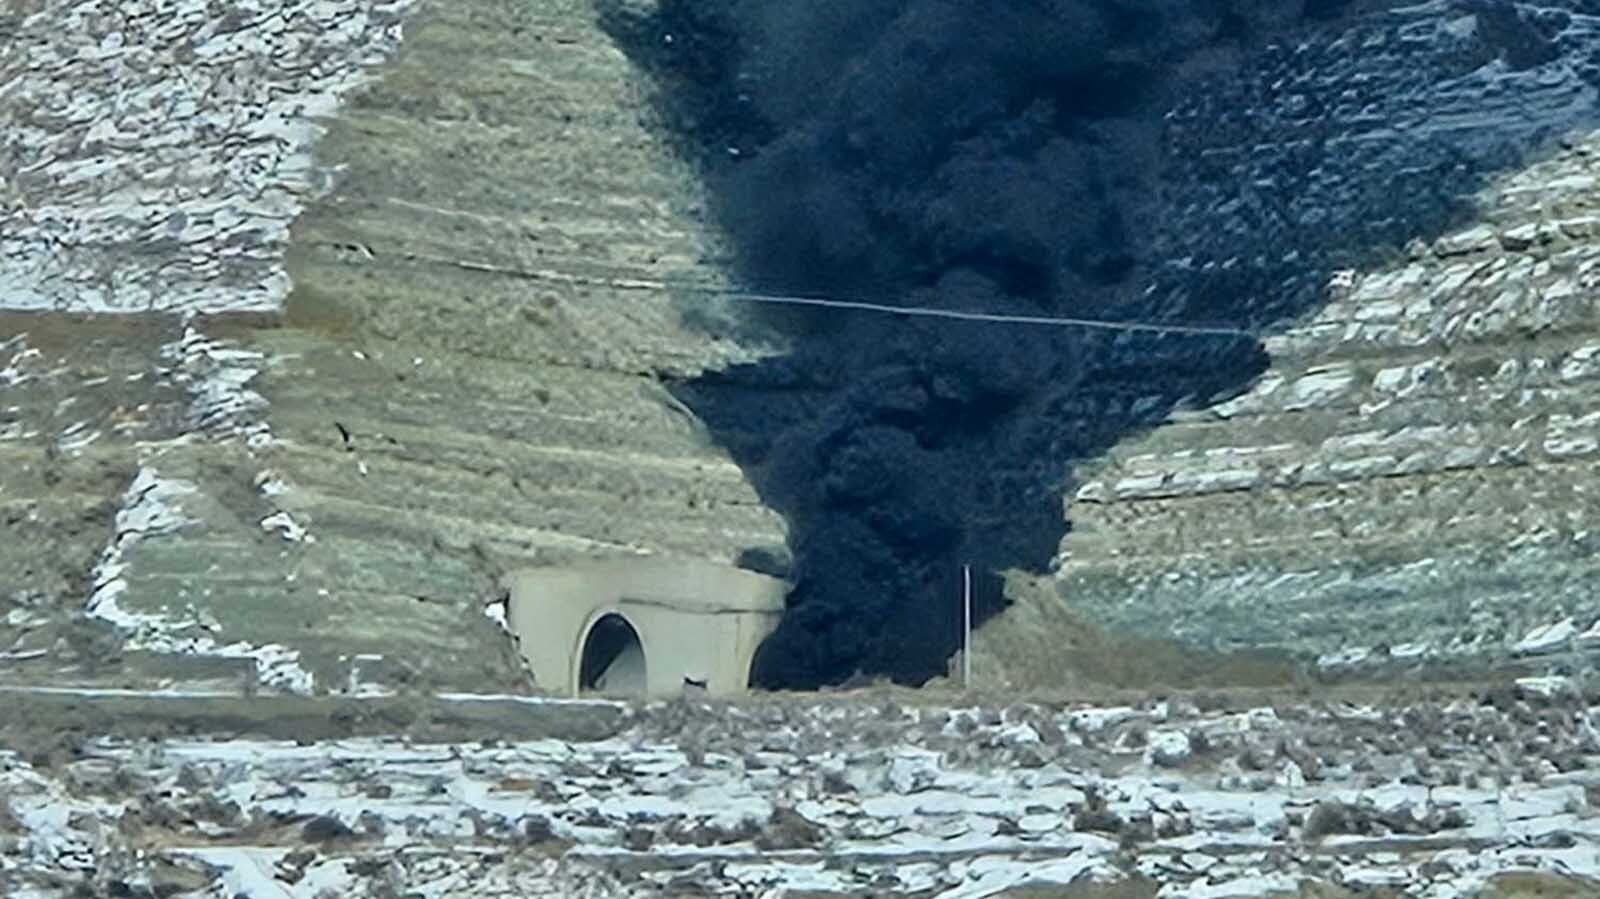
<point>612,658</point>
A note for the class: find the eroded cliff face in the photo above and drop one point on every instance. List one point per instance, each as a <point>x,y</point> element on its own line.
<point>314,492</point>
<point>492,249</point>
<point>1409,482</point>
<point>317,490</point>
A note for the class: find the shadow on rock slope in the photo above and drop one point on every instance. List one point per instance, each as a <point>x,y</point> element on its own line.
<point>1209,163</point>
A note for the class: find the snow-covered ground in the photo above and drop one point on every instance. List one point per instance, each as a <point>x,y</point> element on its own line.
<point>157,151</point>
<point>843,797</point>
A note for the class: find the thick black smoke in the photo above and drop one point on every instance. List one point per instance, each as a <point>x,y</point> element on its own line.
<point>876,145</point>
<point>957,154</point>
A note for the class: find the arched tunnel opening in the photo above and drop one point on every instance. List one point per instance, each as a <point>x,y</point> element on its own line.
<point>613,658</point>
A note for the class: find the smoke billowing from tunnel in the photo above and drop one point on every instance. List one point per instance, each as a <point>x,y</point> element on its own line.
<point>955,154</point>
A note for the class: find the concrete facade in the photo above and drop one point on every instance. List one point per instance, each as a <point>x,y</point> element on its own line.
<point>651,626</point>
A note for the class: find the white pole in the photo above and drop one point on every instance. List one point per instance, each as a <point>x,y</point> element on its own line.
<point>966,630</point>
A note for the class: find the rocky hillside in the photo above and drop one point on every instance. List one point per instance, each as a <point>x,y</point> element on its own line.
<point>292,377</point>
<point>308,488</point>
<point>316,316</point>
<point>1410,479</point>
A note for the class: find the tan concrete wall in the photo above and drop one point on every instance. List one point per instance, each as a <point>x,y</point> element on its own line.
<point>694,619</point>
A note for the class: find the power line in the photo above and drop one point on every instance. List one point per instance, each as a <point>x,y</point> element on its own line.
<point>744,296</point>
<point>930,312</point>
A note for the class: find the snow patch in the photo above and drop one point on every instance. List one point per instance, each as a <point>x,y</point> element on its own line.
<point>178,149</point>
<point>58,829</point>
<point>994,875</point>
<point>1591,637</point>
<point>1548,638</point>
<point>151,507</point>
<point>1344,658</point>
<point>1547,686</point>
<point>936,829</point>
<point>291,530</point>
<point>15,373</point>
<point>75,437</point>
<point>496,611</point>
<point>270,484</point>
<point>1169,748</point>
<point>217,376</point>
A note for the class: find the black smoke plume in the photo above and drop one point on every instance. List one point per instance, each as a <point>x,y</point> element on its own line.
<point>1017,157</point>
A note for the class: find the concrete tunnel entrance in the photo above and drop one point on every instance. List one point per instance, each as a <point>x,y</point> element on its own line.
<point>613,658</point>
<point>642,625</point>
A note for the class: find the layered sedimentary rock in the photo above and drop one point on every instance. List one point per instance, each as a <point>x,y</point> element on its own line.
<point>316,492</point>
<point>1409,205</point>
<point>466,376</point>
<point>463,378</point>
